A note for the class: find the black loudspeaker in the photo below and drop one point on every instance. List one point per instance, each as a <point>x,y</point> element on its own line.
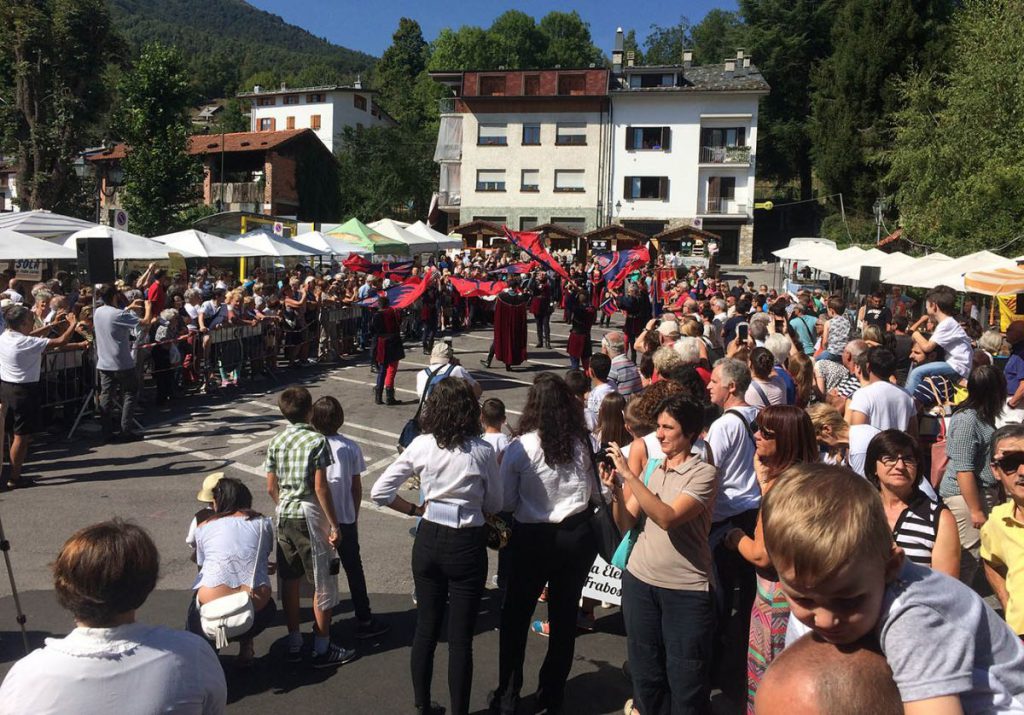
<point>96,256</point>
<point>869,279</point>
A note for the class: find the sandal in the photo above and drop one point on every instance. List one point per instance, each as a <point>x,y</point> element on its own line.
<point>541,628</point>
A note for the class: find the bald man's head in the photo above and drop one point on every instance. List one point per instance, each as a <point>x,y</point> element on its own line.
<point>812,677</point>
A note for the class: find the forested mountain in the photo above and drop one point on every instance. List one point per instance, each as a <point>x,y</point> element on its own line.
<point>230,42</point>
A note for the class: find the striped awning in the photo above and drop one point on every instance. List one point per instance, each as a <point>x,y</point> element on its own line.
<point>998,281</point>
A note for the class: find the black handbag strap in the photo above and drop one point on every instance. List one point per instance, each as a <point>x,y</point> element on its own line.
<point>426,388</point>
<point>593,470</point>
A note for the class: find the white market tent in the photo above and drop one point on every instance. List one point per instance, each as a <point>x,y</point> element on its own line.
<point>444,242</point>
<point>805,251</point>
<point>273,245</point>
<point>332,245</point>
<point>15,245</point>
<point>127,246</point>
<point>43,224</point>
<point>837,260</point>
<point>896,273</point>
<point>415,242</point>
<point>952,272</point>
<point>851,268</point>
<point>199,244</point>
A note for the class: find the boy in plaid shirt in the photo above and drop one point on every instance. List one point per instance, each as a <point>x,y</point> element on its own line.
<point>306,525</point>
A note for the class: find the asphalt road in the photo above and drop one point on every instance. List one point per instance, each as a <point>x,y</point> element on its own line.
<point>154,483</point>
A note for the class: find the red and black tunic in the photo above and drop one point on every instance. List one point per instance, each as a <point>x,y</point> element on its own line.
<point>387,327</point>
<point>579,332</point>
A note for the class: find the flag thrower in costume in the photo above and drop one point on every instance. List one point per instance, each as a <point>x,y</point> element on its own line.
<point>530,243</point>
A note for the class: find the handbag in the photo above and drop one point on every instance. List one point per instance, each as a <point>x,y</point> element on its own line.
<point>231,616</point>
<point>412,428</point>
<point>602,522</point>
<point>621,556</point>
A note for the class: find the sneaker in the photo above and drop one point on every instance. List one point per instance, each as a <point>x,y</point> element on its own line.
<point>333,657</point>
<point>628,708</point>
<point>541,628</point>
<point>375,627</point>
<point>294,656</point>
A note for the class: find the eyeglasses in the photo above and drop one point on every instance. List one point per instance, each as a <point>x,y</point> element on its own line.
<point>763,431</point>
<point>891,461</point>
<point>1010,462</point>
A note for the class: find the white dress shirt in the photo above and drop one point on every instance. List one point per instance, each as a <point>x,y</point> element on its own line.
<point>538,493</point>
<point>458,486</point>
<point>135,669</point>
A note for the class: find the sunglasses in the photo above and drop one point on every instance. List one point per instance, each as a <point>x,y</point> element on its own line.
<point>1009,462</point>
<point>764,431</point>
<point>891,461</point>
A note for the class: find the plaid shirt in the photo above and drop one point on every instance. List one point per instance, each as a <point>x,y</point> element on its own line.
<point>294,455</point>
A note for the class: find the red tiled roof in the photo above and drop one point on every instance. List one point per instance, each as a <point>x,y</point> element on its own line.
<point>199,144</point>
<point>892,237</point>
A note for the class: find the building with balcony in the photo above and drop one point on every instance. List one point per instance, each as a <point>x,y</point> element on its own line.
<point>327,110</point>
<point>8,185</point>
<point>286,173</point>
<point>524,148</point>
<point>684,142</point>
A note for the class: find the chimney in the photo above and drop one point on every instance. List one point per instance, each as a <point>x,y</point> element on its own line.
<point>730,68</point>
<point>257,89</point>
<point>740,54</point>
<point>687,59</point>
<point>283,86</point>
<point>358,83</point>
<point>630,58</point>
<point>746,63</point>
<point>617,52</point>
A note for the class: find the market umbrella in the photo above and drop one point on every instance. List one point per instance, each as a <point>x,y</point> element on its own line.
<point>15,245</point>
<point>415,242</point>
<point>43,224</point>
<point>127,246</point>
<point>273,245</point>
<point>999,281</point>
<point>199,244</point>
<point>355,231</point>
<point>333,245</point>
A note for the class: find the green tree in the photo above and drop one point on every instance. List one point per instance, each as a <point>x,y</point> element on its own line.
<point>462,49</point>
<point>787,38</point>
<point>515,41</point>
<point>52,63</point>
<point>956,159</point>
<point>665,44</point>
<point>230,119</point>
<point>568,41</point>
<point>716,37</point>
<point>160,177</point>
<point>398,71</point>
<point>874,43</point>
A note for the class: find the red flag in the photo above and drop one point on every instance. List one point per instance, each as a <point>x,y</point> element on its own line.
<point>531,244</point>
<point>617,265</point>
<point>362,264</point>
<point>402,295</point>
<point>476,289</point>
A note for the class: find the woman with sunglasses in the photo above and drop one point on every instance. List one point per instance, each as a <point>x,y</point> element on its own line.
<point>783,436</point>
<point>921,524</point>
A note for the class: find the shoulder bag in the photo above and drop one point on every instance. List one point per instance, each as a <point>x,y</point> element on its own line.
<point>602,522</point>
<point>231,616</point>
<point>621,556</point>
<point>412,428</point>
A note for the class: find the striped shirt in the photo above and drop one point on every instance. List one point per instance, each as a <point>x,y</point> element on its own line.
<point>624,376</point>
<point>917,528</point>
<point>836,377</point>
<point>294,456</point>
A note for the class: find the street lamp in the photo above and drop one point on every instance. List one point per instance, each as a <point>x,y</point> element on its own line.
<point>618,207</point>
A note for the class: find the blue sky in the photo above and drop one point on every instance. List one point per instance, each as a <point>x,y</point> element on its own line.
<point>368,25</point>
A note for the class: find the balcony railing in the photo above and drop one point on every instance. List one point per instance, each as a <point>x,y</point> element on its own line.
<point>446,105</point>
<point>725,155</point>
<point>249,192</point>
<point>725,207</point>
<point>446,199</point>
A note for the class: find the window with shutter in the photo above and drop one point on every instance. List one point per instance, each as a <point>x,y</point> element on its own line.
<point>571,134</point>
<point>314,121</point>
<point>490,180</point>
<point>273,125</point>
<point>289,122</point>
<point>630,138</point>
<point>666,138</point>
<point>492,135</point>
<point>570,180</point>
<point>530,180</point>
<point>646,187</point>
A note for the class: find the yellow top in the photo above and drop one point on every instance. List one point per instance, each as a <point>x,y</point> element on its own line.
<point>1002,545</point>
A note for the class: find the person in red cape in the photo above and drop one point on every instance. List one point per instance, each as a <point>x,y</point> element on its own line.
<point>510,310</point>
<point>388,350</point>
<point>430,305</point>
<point>579,347</point>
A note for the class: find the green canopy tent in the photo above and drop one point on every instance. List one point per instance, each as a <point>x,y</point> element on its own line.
<point>355,231</point>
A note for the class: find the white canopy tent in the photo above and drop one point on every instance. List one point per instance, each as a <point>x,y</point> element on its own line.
<point>43,224</point>
<point>331,245</point>
<point>837,261</point>
<point>199,244</point>
<point>415,242</point>
<point>127,246</point>
<point>896,273</point>
<point>444,242</point>
<point>952,272</point>
<point>277,246</point>
<point>851,268</point>
<point>15,245</point>
<point>806,250</point>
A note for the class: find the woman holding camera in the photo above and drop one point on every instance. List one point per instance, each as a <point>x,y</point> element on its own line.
<point>666,586</point>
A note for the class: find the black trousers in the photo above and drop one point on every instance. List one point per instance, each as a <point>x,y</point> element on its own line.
<point>449,567</point>
<point>734,596</point>
<point>559,555</point>
<point>348,553</point>
<point>543,327</point>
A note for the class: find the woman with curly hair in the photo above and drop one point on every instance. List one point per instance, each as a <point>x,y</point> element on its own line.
<point>459,485</point>
<point>549,483</point>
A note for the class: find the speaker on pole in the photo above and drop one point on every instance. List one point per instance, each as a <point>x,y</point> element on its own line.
<point>96,256</point>
<point>869,279</point>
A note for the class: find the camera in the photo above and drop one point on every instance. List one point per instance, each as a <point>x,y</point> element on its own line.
<point>604,457</point>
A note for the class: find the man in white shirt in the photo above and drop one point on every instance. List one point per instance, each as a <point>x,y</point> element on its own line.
<point>442,357</point>
<point>114,330</point>
<point>600,366</point>
<point>940,305</point>
<point>878,402</point>
<point>731,438</point>
<point>213,312</point>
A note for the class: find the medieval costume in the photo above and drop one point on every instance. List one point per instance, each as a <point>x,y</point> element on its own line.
<point>388,350</point>
<point>509,346</point>
<point>540,307</point>
<point>579,347</point>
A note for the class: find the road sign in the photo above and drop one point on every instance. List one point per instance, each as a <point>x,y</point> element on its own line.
<point>121,219</point>
<point>697,223</point>
<point>278,228</point>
